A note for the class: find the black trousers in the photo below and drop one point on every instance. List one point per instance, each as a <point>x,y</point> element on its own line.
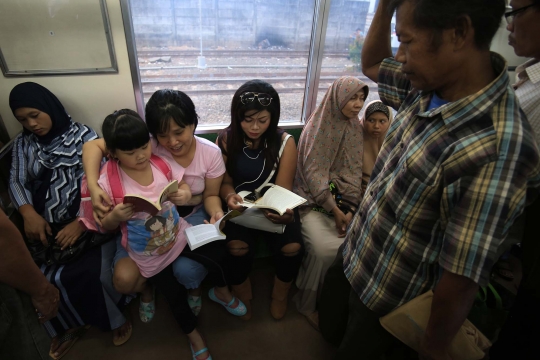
<point>176,295</point>
<point>212,256</point>
<point>239,267</point>
<point>346,322</point>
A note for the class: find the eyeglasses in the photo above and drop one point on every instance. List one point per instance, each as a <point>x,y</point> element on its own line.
<point>512,14</point>
<point>264,99</point>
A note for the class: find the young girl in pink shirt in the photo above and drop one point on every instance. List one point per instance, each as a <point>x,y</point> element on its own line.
<point>154,243</point>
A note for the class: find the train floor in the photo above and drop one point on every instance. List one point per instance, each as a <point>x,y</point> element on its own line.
<point>228,338</point>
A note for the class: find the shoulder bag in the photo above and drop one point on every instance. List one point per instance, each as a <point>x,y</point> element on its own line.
<point>254,218</point>
<point>409,322</point>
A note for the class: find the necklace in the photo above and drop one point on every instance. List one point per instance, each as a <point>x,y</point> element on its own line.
<point>252,158</point>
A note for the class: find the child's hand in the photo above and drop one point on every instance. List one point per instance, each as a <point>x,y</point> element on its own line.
<point>180,198</point>
<point>122,212</point>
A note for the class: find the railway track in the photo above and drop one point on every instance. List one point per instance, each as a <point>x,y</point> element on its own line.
<point>246,75</point>
<point>229,80</point>
<point>280,90</point>
<point>232,53</point>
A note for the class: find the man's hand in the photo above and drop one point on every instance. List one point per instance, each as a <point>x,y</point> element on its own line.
<point>69,234</point>
<point>429,352</point>
<point>36,227</point>
<point>46,303</point>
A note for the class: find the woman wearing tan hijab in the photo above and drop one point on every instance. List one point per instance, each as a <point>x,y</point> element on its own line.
<point>330,155</point>
<point>376,121</point>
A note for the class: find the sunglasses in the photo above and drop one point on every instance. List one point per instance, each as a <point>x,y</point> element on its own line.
<point>264,99</point>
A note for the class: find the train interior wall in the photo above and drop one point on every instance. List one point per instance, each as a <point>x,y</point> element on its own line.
<point>89,98</point>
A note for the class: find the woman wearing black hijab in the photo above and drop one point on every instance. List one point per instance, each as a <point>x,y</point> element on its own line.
<point>45,186</point>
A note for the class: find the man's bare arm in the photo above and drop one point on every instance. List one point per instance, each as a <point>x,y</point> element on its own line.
<point>452,301</point>
<point>377,43</point>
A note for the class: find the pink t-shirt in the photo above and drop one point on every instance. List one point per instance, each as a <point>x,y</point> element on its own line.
<point>153,242</point>
<point>207,163</point>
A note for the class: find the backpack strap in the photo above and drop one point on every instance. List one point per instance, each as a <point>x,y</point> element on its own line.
<point>162,165</point>
<point>113,177</point>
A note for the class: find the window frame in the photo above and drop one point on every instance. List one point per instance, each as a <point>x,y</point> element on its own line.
<point>321,13</point>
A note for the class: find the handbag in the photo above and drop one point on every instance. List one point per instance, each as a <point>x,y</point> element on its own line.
<point>409,322</point>
<point>488,312</point>
<point>253,218</point>
<point>52,253</point>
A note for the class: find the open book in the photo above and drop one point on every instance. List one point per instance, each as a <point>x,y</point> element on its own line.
<point>203,234</point>
<point>276,198</point>
<point>142,204</point>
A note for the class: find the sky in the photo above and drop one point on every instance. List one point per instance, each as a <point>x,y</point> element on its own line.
<point>372,6</point>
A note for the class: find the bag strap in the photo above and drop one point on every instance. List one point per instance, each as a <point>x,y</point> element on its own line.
<point>498,299</point>
<point>113,176</point>
<point>162,165</point>
<point>482,296</point>
<point>267,181</point>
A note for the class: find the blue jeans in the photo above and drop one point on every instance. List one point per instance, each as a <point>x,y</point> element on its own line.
<point>188,272</point>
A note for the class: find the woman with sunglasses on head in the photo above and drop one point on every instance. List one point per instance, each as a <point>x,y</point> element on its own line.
<point>251,146</point>
<point>329,176</point>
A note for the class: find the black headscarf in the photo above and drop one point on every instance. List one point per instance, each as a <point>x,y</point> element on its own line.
<point>32,95</point>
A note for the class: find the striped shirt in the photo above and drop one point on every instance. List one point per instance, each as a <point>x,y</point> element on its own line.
<point>29,162</point>
<point>446,188</point>
<point>528,93</point>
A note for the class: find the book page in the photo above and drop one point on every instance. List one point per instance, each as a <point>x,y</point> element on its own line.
<point>202,234</point>
<point>280,199</point>
<point>141,204</point>
<point>172,187</point>
<point>231,214</point>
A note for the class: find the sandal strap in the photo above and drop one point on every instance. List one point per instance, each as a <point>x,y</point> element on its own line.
<point>68,336</point>
<point>231,302</point>
<point>195,354</point>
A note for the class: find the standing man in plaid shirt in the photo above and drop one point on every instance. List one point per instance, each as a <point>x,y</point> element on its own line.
<point>457,167</point>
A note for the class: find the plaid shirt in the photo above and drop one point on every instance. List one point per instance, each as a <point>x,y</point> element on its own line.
<point>446,188</point>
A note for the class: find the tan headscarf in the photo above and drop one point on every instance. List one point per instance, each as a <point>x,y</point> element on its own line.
<point>330,148</point>
<point>372,146</point>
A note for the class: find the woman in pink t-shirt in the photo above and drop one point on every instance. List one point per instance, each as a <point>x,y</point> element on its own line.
<point>154,242</point>
<point>171,119</point>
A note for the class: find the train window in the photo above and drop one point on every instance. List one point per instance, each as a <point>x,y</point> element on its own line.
<point>346,40</point>
<point>208,48</point>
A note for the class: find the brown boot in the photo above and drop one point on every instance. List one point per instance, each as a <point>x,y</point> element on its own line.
<point>278,306</point>
<point>243,292</point>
